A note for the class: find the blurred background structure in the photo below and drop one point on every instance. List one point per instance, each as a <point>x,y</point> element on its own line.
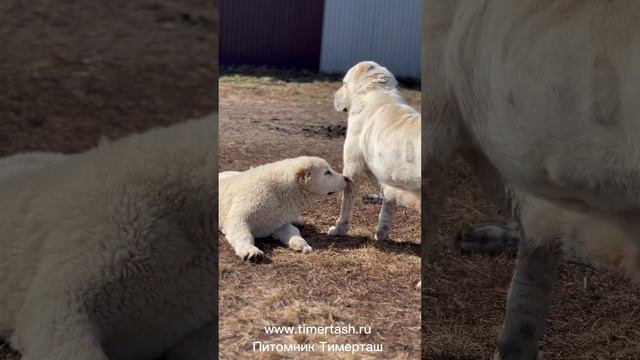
<point>328,36</point>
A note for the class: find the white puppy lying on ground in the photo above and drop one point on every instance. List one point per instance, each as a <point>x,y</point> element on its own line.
<point>383,141</point>
<point>266,201</point>
<point>110,254</point>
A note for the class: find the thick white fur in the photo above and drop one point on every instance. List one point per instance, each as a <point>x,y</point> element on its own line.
<point>266,201</point>
<point>110,254</point>
<point>548,92</point>
<point>383,141</point>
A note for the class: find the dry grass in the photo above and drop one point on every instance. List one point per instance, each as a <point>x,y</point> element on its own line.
<point>345,280</point>
<point>595,314</point>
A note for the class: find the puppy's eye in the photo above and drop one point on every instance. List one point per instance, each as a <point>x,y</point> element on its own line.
<point>328,173</point>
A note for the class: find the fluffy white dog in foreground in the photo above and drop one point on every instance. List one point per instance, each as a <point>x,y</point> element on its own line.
<point>266,201</point>
<point>110,254</point>
<point>383,141</point>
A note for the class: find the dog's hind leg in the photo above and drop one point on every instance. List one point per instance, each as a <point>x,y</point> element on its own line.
<point>385,218</point>
<point>290,236</point>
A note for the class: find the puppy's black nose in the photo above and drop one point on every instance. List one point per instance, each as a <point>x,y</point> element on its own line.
<point>345,110</point>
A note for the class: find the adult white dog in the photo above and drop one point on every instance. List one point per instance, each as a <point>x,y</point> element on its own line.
<point>542,95</point>
<point>110,254</point>
<point>383,142</point>
<point>267,200</point>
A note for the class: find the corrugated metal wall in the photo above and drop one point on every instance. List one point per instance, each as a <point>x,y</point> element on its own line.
<point>281,33</point>
<point>385,31</point>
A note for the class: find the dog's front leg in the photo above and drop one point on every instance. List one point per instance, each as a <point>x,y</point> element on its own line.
<point>290,236</point>
<point>354,166</point>
<point>529,299</point>
<point>348,197</point>
<point>240,237</point>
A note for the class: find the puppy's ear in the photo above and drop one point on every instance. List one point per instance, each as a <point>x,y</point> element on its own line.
<point>382,77</point>
<point>364,66</point>
<point>303,175</point>
<point>361,68</point>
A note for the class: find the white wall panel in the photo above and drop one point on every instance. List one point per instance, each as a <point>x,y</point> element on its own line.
<point>385,31</point>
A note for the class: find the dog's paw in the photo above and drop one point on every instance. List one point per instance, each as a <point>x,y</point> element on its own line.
<point>382,235</point>
<point>299,244</point>
<point>336,231</point>
<point>250,252</point>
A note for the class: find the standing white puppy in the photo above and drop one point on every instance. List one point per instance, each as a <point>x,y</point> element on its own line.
<point>268,199</point>
<point>383,141</point>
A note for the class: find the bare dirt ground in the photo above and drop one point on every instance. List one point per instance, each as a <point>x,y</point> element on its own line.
<point>595,314</point>
<point>345,280</point>
<point>72,71</point>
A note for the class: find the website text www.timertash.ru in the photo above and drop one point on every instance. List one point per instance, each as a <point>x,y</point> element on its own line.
<point>321,346</point>
<point>310,330</point>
